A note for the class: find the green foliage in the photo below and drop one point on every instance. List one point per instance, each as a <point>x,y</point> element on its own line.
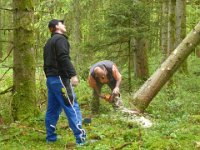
<point>128,17</point>
<point>6,100</point>
<point>84,94</point>
<point>174,112</point>
<point>106,28</point>
<point>193,13</point>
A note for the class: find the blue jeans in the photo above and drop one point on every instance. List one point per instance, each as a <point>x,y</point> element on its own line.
<point>57,102</point>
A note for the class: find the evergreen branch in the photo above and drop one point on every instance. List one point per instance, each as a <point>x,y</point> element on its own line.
<point>6,56</point>
<point>8,9</point>
<point>4,66</point>
<point>120,41</point>
<point>5,73</point>
<point>6,29</point>
<point>6,41</point>
<point>9,89</point>
<point>42,11</point>
<point>102,46</point>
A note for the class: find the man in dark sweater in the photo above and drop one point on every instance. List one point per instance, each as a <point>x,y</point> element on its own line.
<point>61,77</point>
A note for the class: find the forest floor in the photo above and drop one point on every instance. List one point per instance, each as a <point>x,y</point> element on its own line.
<point>174,112</point>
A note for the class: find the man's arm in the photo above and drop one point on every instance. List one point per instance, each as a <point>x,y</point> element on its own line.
<point>118,79</point>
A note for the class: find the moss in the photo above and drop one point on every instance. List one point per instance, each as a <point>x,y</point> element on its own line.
<point>195,118</point>
<point>24,105</point>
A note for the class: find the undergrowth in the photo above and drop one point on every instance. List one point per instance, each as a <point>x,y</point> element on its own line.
<point>174,112</point>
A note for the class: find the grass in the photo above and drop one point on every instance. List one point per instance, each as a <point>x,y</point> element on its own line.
<point>174,112</point>
<point>107,131</point>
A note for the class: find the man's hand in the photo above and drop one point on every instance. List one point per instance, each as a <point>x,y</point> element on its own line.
<point>116,91</point>
<point>74,81</point>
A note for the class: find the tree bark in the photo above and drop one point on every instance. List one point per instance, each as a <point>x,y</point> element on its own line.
<point>151,87</point>
<point>1,35</point>
<point>140,59</point>
<point>181,28</point>
<point>171,27</point>
<point>77,32</point>
<point>141,69</point>
<point>130,64</point>
<point>24,96</point>
<point>164,28</point>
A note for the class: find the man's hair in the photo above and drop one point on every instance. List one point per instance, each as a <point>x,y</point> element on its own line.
<point>52,24</point>
<point>52,29</point>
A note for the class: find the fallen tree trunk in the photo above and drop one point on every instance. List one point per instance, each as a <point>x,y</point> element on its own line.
<point>152,86</point>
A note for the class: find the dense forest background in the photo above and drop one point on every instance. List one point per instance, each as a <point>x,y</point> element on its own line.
<point>138,35</point>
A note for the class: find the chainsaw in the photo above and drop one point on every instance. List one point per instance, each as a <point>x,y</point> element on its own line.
<point>108,97</point>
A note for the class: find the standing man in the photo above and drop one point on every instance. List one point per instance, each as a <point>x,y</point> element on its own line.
<point>105,72</point>
<point>61,77</point>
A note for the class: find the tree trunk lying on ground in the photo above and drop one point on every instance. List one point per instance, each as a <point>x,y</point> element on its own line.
<point>151,87</point>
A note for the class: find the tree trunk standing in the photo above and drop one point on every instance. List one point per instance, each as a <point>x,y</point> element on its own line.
<point>1,35</point>
<point>77,31</point>
<point>164,28</point>
<point>140,59</point>
<point>194,15</point>
<point>171,33</point>
<point>151,87</point>
<point>181,28</point>
<point>171,27</point>
<point>141,69</point>
<point>24,96</point>
<point>130,57</point>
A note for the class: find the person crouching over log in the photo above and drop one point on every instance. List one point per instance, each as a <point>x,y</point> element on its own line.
<point>105,72</point>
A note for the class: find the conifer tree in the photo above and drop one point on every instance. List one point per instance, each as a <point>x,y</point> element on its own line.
<point>24,95</point>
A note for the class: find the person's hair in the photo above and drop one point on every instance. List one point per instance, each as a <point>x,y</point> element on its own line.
<point>52,24</point>
<point>52,29</point>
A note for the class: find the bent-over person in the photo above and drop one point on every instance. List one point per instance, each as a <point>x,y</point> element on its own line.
<point>105,72</point>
